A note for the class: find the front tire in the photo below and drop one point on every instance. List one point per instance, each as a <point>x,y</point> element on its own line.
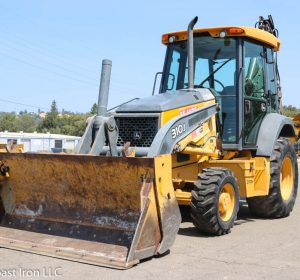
<point>280,201</point>
<point>215,201</point>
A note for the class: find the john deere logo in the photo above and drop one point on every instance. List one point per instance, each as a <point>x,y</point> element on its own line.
<point>137,135</point>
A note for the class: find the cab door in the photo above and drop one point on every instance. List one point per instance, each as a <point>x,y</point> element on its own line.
<point>255,91</point>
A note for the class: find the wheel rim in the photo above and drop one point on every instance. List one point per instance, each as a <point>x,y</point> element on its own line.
<point>286,178</point>
<point>226,202</point>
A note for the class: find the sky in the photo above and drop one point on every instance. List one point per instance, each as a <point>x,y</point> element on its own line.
<point>52,50</point>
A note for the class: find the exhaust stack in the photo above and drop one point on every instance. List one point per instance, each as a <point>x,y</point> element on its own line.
<point>191,52</point>
<point>103,95</point>
<point>104,87</point>
<point>100,128</point>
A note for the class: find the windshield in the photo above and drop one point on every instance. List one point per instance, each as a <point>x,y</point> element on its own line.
<point>214,60</point>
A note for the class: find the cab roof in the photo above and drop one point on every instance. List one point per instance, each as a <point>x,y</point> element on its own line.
<point>231,31</point>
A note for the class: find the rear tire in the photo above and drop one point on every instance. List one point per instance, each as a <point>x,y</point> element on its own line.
<point>215,201</point>
<point>283,184</point>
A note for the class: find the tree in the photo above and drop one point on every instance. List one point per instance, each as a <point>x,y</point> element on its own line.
<point>8,122</point>
<point>73,124</point>
<point>23,112</point>
<point>290,111</point>
<point>26,123</point>
<point>94,109</point>
<point>50,122</point>
<point>68,124</point>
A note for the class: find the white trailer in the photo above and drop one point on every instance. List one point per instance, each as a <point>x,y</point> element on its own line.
<point>40,142</point>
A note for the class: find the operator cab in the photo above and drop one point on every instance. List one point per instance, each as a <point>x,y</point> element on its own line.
<point>238,65</point>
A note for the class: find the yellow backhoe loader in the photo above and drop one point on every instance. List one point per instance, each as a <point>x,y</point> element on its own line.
<point>213,134</point>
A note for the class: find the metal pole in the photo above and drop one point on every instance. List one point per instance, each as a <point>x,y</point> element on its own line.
<point>191,52</point>
<point>104,87</point>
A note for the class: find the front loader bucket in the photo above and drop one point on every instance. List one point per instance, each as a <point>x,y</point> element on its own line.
<point>111,211</point>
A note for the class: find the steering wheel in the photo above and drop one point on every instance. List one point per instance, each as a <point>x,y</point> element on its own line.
<point>220,83</point>
<point>217,81</point>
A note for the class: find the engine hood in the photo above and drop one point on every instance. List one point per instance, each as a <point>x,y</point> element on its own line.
<point>167,101</point>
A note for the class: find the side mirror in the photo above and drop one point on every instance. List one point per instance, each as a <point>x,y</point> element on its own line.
<point>155,80</point>
<point>172,77</point>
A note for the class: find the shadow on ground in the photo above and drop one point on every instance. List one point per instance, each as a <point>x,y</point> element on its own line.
<point>244,216</point>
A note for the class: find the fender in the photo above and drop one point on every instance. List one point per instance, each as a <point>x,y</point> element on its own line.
<point>272,127</point>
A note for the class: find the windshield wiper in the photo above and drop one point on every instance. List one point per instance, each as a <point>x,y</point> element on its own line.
<point>215,71</point>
